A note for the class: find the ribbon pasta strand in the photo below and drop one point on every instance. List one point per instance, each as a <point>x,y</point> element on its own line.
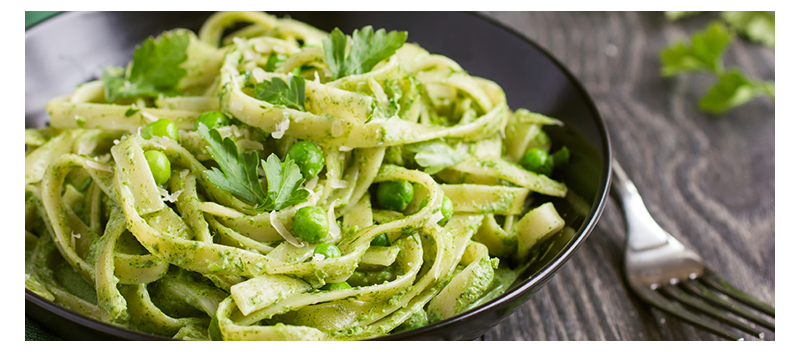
<point>189,259</point>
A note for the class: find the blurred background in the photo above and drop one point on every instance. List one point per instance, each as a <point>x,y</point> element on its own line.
<point>708,179</point>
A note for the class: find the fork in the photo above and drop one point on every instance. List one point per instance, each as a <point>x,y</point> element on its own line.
<point>673,278</point>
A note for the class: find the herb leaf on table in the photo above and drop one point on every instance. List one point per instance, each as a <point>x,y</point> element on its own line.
<point>758,26</point>
<point>703,54</point>
<point>733,89</point>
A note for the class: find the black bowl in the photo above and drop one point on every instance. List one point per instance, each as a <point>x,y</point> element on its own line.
<point>73,48</point>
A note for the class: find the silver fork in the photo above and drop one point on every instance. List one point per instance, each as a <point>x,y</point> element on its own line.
<point>672,278</point>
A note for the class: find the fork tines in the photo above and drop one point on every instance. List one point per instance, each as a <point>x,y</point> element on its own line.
<point>698,295</point>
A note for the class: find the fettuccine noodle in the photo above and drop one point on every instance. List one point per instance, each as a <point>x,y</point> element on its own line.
<point>190,260</point>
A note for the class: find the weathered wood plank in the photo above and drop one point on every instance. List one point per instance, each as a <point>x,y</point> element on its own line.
<point>708,181</point>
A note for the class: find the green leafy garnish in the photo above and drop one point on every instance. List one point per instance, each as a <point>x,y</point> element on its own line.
<point>273,62</point>
<point>155,69</point>
<point>734,89</point>
<point>130,112</point>
<point>283,181</point>
<point>435,156</point>
<point>703,54</point>
<point>239,174</point>
<point>368,49</point>
<point>758,26</point>
<point>277,92</point>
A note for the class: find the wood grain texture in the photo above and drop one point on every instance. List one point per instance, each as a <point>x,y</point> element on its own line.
<point>708,181</point>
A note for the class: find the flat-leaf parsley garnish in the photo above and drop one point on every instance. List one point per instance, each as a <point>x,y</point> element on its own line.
<point>238,174</point>
<point>277,92</point>
<point>155,69</point>
<point>368,49</point>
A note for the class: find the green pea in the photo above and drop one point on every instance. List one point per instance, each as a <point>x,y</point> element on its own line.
<point>328,250</point>
<point>538,161</point>
<point>381,240</point>
<point>212,120</point>
<point>161,128</point>
<point>395,195</point>
<point>159,165</point>
<point>447,210</point>
<point>310,224</point>
<point>308,157</point>
<point>336,286</point>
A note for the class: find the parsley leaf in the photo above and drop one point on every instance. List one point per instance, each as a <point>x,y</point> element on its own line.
<point>368,49</point>
<point>239,174</point>
<point>283,181</point>
<point>130,112</point>
<point>704,53</point>
<point>435,156</point>
<point>273,62</point>
<point>733,89</point>
<point>155,69</point>
<point>758,26</point>
<point>334,47</point>
<point>277,92</point>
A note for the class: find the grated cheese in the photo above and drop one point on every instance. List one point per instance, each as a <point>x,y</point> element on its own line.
<point>333,227</point>
<point>260,75</point>
<point>337,184</point>
<point>148,116</point>
<point>435,218</point>
<point>218,210</point>
<point>166,197</point>
<point>336,128</point>
<point>281,127</point>
<point>273,220</point>
<point>98,166</point>
<point>261,47</point>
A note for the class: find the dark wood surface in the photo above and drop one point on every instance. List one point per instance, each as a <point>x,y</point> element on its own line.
<point>708,181</point>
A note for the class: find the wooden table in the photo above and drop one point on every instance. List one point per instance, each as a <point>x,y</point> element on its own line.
<point>708,181</point>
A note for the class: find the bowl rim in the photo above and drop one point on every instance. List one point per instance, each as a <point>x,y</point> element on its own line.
<point>582,233</point>
<point>514,293</point>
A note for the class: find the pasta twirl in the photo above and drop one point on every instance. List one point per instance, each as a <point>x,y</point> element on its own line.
<point>411,166</point>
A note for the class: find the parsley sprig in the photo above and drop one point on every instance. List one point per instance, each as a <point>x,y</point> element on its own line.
<point>758,26</point>
<point>368,49</point>
<point>155,69</point>
<point>704,54</point>
<point>277,92</point>
<point>238,174</point>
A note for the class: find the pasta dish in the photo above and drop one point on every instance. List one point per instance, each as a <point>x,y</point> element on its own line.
<point>277,182</point>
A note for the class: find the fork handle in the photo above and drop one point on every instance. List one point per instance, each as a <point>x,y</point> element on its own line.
<point>643,232</point>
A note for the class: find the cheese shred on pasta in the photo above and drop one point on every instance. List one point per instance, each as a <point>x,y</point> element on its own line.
<point>190,260</point>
